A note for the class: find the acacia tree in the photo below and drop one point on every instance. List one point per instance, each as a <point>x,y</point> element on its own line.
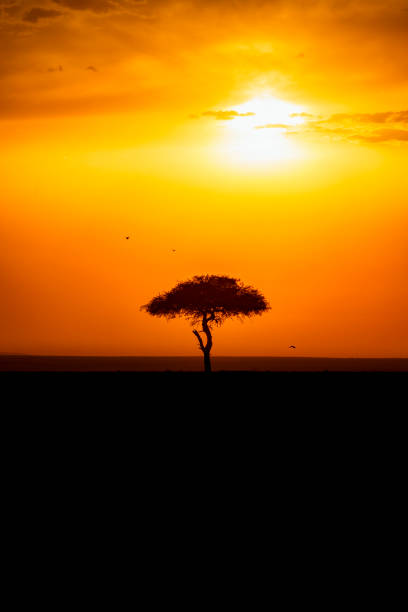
<point>208,300</point>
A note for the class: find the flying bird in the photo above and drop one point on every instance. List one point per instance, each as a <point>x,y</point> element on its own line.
<point>291,346</point>
<point>127,237</point>
<point>173,250</point>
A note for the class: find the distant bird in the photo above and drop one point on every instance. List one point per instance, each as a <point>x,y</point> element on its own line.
<point>173,250</point>
<point>291,346</point>
<point>127,237</point>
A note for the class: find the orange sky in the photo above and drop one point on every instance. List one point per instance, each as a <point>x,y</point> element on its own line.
<point>266,140</point>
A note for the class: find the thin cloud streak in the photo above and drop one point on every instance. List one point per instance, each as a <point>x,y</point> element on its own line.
<point>352,127</point>
<point>36,14</point>
<point>225,115</point>
<point>272,125</point>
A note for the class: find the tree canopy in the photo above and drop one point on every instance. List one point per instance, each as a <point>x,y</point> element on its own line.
<point>215,297</point>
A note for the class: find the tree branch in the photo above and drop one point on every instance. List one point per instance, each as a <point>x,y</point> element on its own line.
<point>207,332</point>
<point>200,342</point>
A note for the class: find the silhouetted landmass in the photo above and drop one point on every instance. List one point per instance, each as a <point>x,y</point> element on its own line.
<point>28,363</point>
<point>150,389</point>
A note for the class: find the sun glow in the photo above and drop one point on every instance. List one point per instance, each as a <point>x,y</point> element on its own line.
<point>258,136</point>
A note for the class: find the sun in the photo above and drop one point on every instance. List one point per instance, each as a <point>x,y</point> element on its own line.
<point>258,135</point>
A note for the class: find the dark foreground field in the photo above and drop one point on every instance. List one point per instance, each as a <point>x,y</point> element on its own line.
<point>236,456</point>
<point>109,420</point>
<point>164,382</point>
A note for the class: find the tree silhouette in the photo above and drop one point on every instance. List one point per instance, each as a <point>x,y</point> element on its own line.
<point>208,300</point>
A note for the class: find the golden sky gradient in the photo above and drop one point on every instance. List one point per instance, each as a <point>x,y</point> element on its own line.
<point>266,140</point>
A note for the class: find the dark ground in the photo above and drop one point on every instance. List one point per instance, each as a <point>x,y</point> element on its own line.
<point>259,382</point>
<point>29,363</point>
<point>280,458</point>
<point>133,422</point>
<point>295,475</point>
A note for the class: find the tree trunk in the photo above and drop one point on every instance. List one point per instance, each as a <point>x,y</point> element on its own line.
<point>207,362</point>
<point>207,348</point>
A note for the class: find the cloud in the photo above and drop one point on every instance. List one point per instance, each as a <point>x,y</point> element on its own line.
<point>105,6</point>
<point>355,54</point>
<point>356,127</point>
<point>272,125</point>
<point>9,6</point>
<point>385,117</point>
<point>226,115</point>
<point>385,135</point>
<point>304,115</point>
<point>334,133</point>
<point>35,14</point>
<point>98,6</point>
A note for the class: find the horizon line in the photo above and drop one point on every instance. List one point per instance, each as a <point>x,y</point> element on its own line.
<point>91,356</point>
